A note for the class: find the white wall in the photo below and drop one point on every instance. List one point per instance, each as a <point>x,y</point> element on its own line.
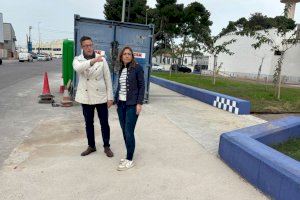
<point>247,59</point>
<point>291,64</point>
<point>1,29</point>
<point>3,53</point>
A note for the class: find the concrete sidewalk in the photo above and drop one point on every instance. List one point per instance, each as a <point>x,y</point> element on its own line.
<point>10,61</point>
<point>177,140</point>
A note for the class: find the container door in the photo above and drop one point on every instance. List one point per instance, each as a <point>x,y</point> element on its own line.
<point>140,40</point>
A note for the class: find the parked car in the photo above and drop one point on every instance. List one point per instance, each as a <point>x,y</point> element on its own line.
<point>180,68</point>
<point>198,68</point>
<point>25,57</point>
<point>33,55</point>
<point>156,67</point>
<point>41,57</point>
<point>0,61</point>
<point>48,57</point>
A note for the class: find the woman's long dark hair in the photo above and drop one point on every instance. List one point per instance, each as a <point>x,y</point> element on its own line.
<point>132,63</point>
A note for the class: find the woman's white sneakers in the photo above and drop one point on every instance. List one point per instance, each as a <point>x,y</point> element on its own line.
<point>122,160</point>
<point>125,164</point>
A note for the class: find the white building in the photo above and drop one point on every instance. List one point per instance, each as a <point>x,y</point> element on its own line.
<point>246,60</point>
<point>166,61</point>
<point>10,40</point>
<point>7,40</point>
<point>53,48</point>
<point>2,53</point>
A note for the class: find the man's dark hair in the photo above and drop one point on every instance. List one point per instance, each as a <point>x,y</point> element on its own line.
<point>84,38</point>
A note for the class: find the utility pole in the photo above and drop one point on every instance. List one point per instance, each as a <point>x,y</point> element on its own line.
<point>29,44</point>
<point>128,17</point>
<point>123,10</point>
<point>147,16</point>
<point>39,37</point>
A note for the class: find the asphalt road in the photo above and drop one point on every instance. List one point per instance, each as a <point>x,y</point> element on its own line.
<point>20,86</point>
<point>14,72</point>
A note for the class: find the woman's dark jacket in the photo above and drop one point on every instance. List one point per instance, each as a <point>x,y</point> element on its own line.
<point>135,85</point>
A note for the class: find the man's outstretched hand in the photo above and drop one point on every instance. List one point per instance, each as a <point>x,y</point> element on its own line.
<point>97,59</point>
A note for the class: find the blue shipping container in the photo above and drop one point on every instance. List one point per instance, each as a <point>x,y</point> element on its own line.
<point>111,37</point>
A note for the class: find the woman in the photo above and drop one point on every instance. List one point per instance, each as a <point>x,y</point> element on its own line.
<point>129,98</point>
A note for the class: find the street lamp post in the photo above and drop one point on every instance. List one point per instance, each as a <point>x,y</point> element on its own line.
<point>39,37</point>
<point>128,18</point>
<point>29,43</point>
<point>147,16</point>
<point>123,10</point>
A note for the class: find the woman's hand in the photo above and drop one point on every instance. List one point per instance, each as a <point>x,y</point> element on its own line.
<point>138,109</point>
<point>109,103</point>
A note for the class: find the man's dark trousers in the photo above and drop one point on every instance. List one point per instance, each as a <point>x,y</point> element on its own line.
<point>88,113</point>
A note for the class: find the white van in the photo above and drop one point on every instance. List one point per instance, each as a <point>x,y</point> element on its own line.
<point>25,57</point>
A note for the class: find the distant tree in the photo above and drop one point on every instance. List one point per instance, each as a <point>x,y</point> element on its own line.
<point>259,27</point>
<point>135,10</point>
<point>168,16</point>
<point>213,48</point>
<point>286,39</point>
<point>195,23</point>
<point>113,10</point>
<point>194,48</point>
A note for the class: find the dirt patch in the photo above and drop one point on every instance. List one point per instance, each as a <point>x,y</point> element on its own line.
<point>49,138</point>
<point>270,117</point>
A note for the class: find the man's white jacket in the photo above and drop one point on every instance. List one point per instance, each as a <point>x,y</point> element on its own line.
<point>94,86</point>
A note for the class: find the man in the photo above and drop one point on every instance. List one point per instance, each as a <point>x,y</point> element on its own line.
<point>94,91</point>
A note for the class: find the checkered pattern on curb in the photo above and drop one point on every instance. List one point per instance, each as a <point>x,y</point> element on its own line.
<point>226,104</point>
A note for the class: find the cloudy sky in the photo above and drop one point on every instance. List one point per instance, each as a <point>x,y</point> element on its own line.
<point>55,17</point>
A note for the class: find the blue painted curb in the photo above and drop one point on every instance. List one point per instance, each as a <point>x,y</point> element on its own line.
<point>221,101</point>
<point>246,151</point>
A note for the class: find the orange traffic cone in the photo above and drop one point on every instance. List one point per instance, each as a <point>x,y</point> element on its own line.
<point>46,96</point>
<point>66,100</point>
<point>62,87</point>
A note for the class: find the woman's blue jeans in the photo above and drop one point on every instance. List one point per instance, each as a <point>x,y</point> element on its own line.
<point>128,118</point>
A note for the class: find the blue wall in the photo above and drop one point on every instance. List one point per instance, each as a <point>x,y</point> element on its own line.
<point>221,101</point>
<point>246,151</point>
